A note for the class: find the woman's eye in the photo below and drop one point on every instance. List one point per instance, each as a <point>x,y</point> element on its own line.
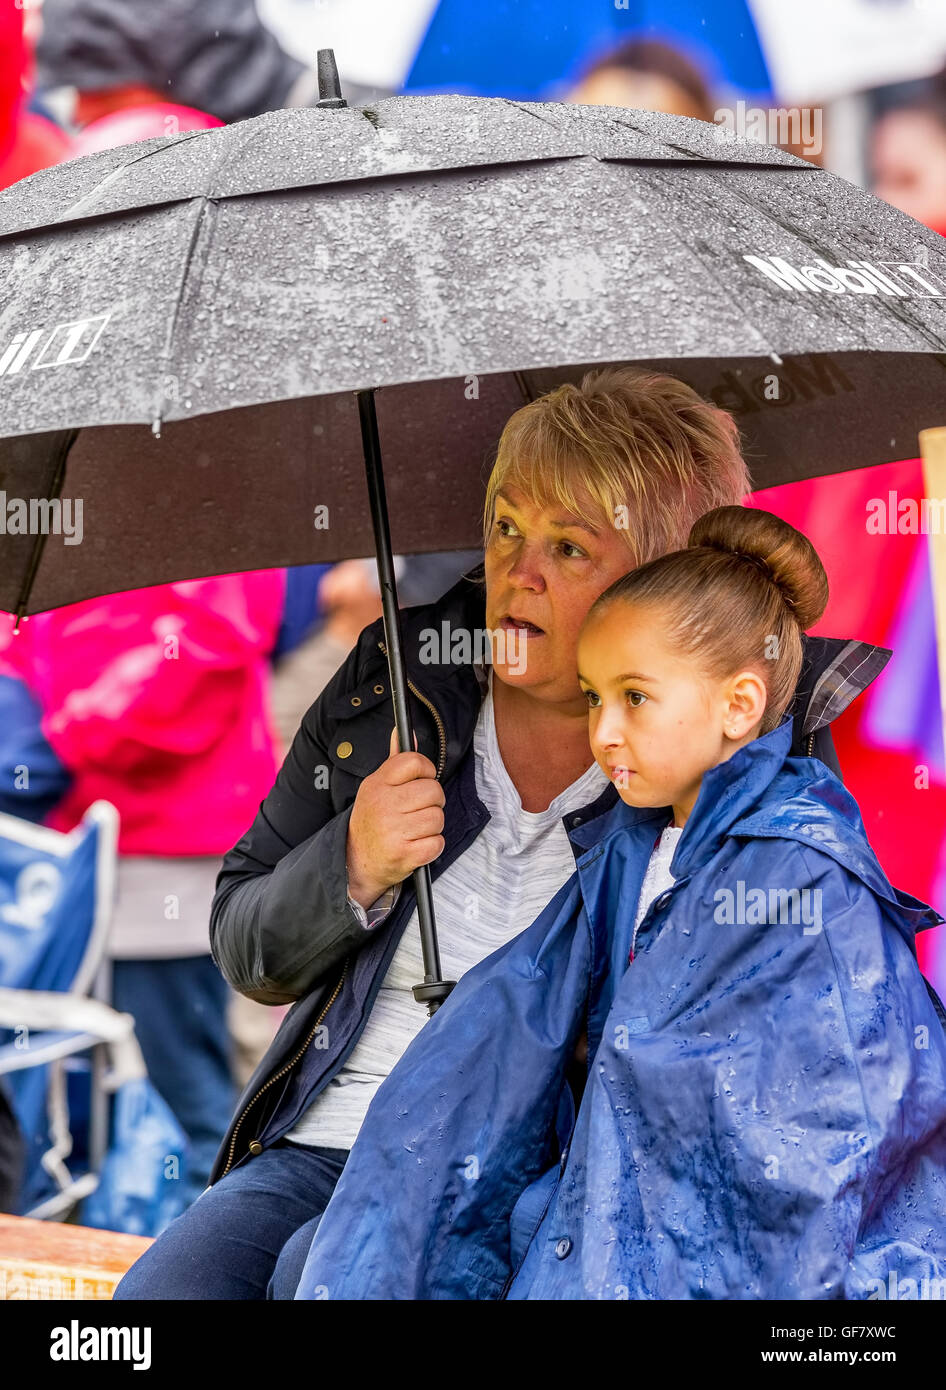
<point>575,550</point>
<point>636,698</point>
<point>505,527</point>
<point>592,698</point>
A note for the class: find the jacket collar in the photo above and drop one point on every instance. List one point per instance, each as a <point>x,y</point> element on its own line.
<point>834,671</point>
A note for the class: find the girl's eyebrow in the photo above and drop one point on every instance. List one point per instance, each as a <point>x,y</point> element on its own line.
<point>628,676</point>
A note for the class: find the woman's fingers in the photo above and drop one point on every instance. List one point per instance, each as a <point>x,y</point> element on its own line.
<point>415,796</point>
<point>420,824</point>
<point>407,767</point>
<point>426,851</point>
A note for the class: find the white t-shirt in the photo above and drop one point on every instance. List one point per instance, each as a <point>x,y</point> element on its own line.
<point>658,878</point>
<point>491,893</point>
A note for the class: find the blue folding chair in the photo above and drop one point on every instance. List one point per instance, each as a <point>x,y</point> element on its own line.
<point>56,896</point>
<point>63,1050</point>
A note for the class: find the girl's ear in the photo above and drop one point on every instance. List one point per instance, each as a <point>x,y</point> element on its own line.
<point>747,696</point>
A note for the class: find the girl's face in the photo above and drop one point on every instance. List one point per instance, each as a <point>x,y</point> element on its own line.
<point>656,723</point>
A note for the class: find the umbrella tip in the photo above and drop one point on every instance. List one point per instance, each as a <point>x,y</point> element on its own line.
<point>330,93</point>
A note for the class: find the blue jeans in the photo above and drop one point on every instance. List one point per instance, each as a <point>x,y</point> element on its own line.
<point>245,1238</point>
<point>180,1012</point>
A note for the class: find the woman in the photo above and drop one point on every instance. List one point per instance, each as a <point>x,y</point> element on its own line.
<point>314,906</point>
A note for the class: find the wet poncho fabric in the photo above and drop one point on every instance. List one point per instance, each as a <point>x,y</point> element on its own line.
<point>765,1108</point>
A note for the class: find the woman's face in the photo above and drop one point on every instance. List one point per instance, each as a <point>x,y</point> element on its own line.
<point>544,569</point>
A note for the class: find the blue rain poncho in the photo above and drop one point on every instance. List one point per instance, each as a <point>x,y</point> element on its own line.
<point>764,1114</point>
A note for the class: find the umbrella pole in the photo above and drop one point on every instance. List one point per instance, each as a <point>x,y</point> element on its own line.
<point>435,989</point>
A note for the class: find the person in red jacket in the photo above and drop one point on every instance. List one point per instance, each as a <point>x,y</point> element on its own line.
<point>28,141</point>
<point>156,700</point>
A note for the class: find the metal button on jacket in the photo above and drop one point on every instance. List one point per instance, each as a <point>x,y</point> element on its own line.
<point>562,1248</point>
<point>344,750</point>
<point>255,1147</point>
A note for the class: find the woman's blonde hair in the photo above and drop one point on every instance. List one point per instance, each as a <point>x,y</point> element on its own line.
<point>627,448</point>
<point>739,596</point>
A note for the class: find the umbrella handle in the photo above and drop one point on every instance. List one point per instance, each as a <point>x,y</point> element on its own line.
<point>435,988</point>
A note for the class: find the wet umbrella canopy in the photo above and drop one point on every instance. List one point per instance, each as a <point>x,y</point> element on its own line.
<point>205,338</point>
<point>235,287</point>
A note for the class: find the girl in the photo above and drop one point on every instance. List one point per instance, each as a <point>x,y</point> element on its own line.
<point>764,1114</point>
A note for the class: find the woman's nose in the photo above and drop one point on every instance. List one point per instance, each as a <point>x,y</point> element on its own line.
<point>526,570</point>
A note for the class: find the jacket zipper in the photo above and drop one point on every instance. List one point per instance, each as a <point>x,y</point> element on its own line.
<point>640,924</point>
<point>441,731</point>
<point>282,1071</point>
<point>811,743</point>
<point>647,914</point>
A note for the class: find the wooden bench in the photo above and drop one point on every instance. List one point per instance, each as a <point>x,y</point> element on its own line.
<point>50,1260</point>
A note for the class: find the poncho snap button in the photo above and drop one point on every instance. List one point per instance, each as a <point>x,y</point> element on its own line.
<point>663,900</point>
<point>562,1248</point>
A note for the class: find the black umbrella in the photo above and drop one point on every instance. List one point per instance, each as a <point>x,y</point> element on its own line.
<point>189,326</point>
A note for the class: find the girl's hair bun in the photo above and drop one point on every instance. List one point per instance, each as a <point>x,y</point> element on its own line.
<point>783,555</point>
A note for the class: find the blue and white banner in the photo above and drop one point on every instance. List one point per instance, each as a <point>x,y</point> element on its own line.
<point>524,49</point>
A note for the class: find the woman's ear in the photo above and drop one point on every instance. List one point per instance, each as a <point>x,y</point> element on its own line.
<point>745,706</point>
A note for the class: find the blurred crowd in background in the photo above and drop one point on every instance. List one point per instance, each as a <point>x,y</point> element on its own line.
<point>86,699</point>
